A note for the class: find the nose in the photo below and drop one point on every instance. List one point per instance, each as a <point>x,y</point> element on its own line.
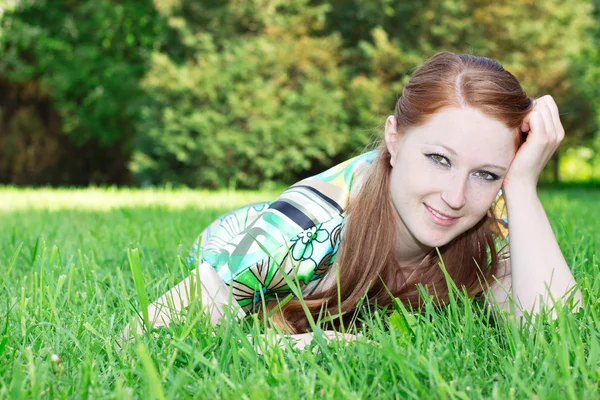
<point>454,194</point>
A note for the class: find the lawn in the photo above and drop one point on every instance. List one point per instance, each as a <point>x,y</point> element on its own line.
<point>67,291</point>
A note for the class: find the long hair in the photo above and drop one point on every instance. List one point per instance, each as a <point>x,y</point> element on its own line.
<point>367,258</point>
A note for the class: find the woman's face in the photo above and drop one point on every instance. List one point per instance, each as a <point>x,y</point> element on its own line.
<point>446,173</point>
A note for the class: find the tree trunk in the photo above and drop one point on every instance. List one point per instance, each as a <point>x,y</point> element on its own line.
<point>556,167</point>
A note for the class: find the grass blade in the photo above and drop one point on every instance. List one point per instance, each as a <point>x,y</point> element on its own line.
<point>138,278</point>
<point>156,389</point>
<point>11,263</point>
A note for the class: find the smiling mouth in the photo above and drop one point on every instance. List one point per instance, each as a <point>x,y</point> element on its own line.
<point>441,217</point>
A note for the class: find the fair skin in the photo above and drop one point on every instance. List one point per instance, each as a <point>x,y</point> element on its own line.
<point>540,273</point>
<point>456,162</point>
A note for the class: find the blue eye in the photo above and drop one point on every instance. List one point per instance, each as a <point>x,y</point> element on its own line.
<point>486,176</point>
<point>438,159</point>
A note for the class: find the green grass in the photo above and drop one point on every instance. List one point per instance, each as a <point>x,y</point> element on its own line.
<point>67,289</point>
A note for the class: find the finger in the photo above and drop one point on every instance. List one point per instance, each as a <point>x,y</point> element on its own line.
<point>560,131</point>
<point>550,131</point>
<point>538,130</point>
<point>525,125</point>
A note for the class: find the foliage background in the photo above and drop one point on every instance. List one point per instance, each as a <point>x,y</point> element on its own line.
<point>245,93</point>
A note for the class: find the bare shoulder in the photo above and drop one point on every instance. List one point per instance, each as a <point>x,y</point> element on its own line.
<point>360,177</point>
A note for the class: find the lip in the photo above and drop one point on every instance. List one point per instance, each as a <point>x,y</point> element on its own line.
<point>440,219</point>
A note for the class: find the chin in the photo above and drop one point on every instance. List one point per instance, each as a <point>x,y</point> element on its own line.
<point>429,240</point>
<point>436,243</point>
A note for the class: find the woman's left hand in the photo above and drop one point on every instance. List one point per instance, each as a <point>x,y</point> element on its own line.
<point>302,340</point>
<point>545,134</point>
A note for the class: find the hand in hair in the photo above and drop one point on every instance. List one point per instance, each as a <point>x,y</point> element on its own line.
<point>540,275</point>
<point>545,132</point>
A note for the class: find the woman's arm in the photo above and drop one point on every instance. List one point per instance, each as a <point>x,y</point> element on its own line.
<point>203,283</point>
<point>537,265</point>
<point>300,340</point>
<point>538,268</point>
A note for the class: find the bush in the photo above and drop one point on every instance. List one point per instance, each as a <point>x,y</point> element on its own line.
<point>260,109</point>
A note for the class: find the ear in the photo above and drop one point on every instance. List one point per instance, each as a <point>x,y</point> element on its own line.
<point>391,137</point>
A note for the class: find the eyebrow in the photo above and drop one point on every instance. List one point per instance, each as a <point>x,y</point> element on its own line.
<point>453,152</point>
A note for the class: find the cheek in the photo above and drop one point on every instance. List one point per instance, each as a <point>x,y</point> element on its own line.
<point>482,201</point>
<point>413,175</point>
<point>401,190</point>
<point>397,187</point>
<point>404,182</point>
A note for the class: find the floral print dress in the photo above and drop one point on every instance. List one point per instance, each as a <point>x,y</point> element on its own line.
<point>298,233</point>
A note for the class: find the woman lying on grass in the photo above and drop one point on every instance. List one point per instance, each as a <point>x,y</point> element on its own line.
<point>464,148</point>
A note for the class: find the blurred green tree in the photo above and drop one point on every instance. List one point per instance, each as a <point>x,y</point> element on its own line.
<point>386,39</point>
<point>70,72</point>
<point>244,92</point>
<point>262,99</point>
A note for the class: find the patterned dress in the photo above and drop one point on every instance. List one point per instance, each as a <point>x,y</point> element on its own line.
<point>298,233</point>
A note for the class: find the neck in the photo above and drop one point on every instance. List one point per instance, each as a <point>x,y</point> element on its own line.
<point>410,252</point>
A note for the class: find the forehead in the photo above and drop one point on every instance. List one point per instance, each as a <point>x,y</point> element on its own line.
<point>469,132</point>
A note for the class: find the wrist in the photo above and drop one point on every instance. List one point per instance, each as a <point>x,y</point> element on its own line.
<point>519,190</point>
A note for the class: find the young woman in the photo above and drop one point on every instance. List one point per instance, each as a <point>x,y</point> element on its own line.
<point>462,152</point>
